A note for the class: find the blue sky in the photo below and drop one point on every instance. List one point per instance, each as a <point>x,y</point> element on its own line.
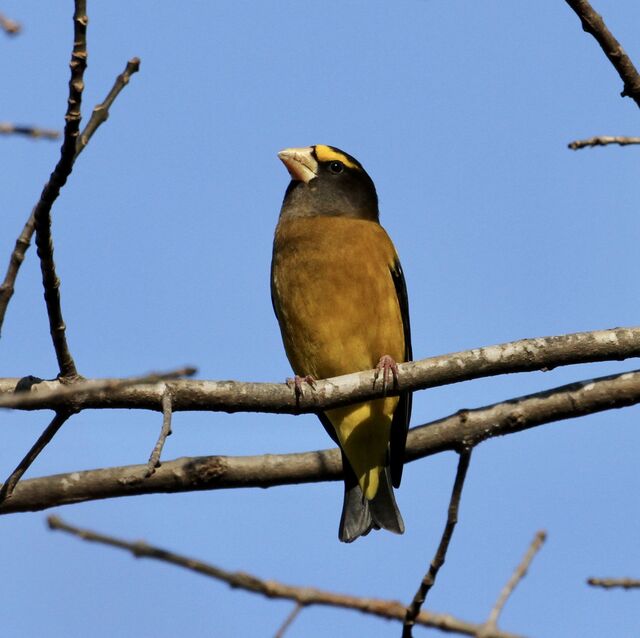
<point>461,112</point>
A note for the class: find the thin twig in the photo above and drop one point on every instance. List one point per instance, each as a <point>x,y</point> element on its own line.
<point>165,431</point>
<point>15,261</point>
<point>438,560</point>
<point>466,427</point>
<point>232,396</point>
<point>78,391</point>
<point>43,440</point>
<point>10,27</point>
<point>101,111</point>
<point>594,24</point>
<point>519,573</point>
<point>610,583</point>
<point>305,596</point>
<point>24,241</point>
<point>603,140</point>
<point>42,210</point>
<point>288,620</point>
<point>28,131</point>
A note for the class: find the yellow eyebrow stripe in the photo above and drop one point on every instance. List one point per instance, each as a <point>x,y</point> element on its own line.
<point>328,154</point>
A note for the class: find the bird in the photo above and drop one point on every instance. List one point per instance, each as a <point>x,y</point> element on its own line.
<point>340,298</point>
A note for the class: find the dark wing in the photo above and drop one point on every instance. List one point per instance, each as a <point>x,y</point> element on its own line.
<point>273,292</point>
<point>402,415</point>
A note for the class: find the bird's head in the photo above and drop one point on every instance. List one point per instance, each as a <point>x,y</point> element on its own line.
<point>327,181</point>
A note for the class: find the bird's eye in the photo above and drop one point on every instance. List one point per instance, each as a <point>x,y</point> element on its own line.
<point>336,167</point>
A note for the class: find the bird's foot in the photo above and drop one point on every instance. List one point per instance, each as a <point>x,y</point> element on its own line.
<point>297,382</point>
<point>387,366</point>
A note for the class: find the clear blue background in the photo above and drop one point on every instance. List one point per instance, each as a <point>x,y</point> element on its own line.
<point>461,112</point>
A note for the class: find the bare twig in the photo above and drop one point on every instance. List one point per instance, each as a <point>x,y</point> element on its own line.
<point>17,257</point>
<point>464,428</point>
<point>10,27</point>
<point>43,440</point>
<point>603,140</point>
<point>231,396</point>
<point>28,131</point>
<point>42,210</point>
<point>165,431</point>
<point>438,560</point>
<point>305,596</point>
<point>101,111</point>
<point>610,583</point>
<point>99,115</point>
<point>519,573</point>
<point>76,392</point>
<point>288,620</point>
<point>594,24</point>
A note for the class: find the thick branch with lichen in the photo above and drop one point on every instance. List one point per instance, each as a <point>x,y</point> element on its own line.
<point>232,396</point>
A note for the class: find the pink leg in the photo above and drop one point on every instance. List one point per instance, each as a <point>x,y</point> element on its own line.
<point>386,365</point>
<point>297,382</point>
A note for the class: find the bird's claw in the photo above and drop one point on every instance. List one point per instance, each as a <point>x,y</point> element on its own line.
<point>297,382</point>
<point>386,365</point>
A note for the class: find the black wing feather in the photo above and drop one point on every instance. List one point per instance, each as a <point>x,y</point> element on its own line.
<point>402,415</point>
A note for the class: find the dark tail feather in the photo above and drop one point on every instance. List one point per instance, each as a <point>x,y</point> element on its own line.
<point>383,507</point>
<point>360,516</point>
<point>356,518</point>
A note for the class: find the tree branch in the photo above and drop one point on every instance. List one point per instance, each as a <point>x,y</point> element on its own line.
<point>429,579</point>
<point>99,115</point>
<point>43,440</point>
<point>101,111</point>
<point>610,583</point>
<point>29,131</point>
<point>42,210</point>
<point>10,27</point>
<point>232,396</point>
<point>304,596</point>
<point>288,620</point>
<point>465,428</point>
<point>33,390</point>
<point>61,416</point>
<point>603,140</point>
<point>44,242</point>
<point>15,261</point>
<point>594,24</point>
<point>165,431</point>
<point>520,572</point>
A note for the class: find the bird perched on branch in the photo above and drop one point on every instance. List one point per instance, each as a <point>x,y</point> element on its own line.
<point>339,294</point>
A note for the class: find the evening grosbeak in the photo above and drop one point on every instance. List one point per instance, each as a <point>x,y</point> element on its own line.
<point>340,297</point>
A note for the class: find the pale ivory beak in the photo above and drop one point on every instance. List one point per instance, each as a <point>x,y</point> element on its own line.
<point>300,163</point>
